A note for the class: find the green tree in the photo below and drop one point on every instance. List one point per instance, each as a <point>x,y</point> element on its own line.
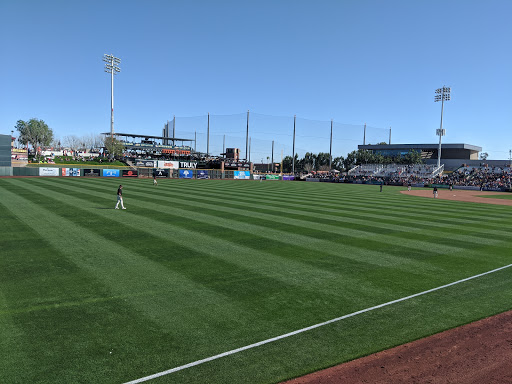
<point>413,157</point>
<point>337,163</point>
<point>35,133</point>
<point>287,164</point>
<point>114,147</point>
<point>350,161</point>
<point>322,161</point>
<point>308,163</point>
<point>364,157</point>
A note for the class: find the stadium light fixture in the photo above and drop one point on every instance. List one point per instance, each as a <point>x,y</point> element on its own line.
<point>442,95</point>
<point>111,67</point>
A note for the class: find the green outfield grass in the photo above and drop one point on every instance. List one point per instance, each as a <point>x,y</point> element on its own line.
<point>195,268</point>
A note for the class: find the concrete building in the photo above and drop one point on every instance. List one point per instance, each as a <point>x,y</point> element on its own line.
<point>452,155</point>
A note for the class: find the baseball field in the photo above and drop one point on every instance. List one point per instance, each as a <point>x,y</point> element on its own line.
<point>214,281</point>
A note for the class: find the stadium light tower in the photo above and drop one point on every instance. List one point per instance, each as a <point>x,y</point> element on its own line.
<point>441,95</point>
<point>112,67</point>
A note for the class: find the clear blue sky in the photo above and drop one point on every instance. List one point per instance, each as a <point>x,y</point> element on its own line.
<point>354,61</point>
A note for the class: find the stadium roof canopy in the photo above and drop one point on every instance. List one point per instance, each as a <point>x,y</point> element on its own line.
<point>147,136</point>
<point>448,151</point>
<point>468,147</point>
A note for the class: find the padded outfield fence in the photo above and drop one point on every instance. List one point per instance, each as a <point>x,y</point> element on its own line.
<point>136,172</point>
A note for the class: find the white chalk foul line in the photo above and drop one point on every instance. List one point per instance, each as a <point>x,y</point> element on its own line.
<point>233,351</point>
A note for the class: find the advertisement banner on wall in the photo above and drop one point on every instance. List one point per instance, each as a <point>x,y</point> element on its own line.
<point>111,173</point>
<point>288,177</point>
<point>234,164</point>
<point>242,175</point>
<point>70,172</point>
<point>188,164</point>
<point>202,174</point>
<point>168,164</point>
<point>161,173</point>
<point>129,173</point>
<point>256,177</point>
<point>145,163</point>
<point>272,177</point>
<point>91,172</point>
<point>186,174</point>
<point>48,171</point>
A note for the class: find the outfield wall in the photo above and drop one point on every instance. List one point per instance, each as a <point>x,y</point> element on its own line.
<point>135,172</point>
<point>5,171</point>
<point>72,170</point>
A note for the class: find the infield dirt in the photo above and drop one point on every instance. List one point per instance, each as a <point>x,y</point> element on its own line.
<point>461,195</point>
<point>476,353</point>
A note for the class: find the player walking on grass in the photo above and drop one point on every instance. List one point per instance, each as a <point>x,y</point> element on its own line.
<point>120,197</point>
<point>435,192</point>
<point>154,180</point>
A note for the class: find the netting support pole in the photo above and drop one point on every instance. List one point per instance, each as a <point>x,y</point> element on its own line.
<point>293,149</point>
<point>330,150</point>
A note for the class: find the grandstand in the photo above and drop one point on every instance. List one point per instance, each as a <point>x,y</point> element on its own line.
<point>396,170</point>
<point>452,155</point>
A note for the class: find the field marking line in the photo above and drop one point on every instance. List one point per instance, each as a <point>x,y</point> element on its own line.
<point>250,346</point>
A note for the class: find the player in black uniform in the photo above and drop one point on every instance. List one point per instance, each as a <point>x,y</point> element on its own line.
<point>120,197</point>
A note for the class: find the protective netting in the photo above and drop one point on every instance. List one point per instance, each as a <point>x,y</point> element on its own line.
<point>230,131</point>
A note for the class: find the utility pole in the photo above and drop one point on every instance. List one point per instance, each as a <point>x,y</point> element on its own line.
<point>364,134</point>
<point>208,137</point>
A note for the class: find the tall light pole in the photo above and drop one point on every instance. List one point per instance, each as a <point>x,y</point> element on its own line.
<point>112,67</point>
<point>441,95</point>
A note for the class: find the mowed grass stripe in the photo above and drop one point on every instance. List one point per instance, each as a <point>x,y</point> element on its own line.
<point>86,205</point>
<point>385,217</point>
<point>280,305</point>
<point>383,222</point>
<point>378,236</point>
<point>272,229</point>
<point>393,202</point>
<point>259,259</point>
<point>11,351</point>
<point>320,246</point>
<point>428,250</point>
<point>229,289</point>
<point>177,304</point>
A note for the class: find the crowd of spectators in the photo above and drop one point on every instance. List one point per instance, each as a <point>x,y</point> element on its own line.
<point>482,177</point>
